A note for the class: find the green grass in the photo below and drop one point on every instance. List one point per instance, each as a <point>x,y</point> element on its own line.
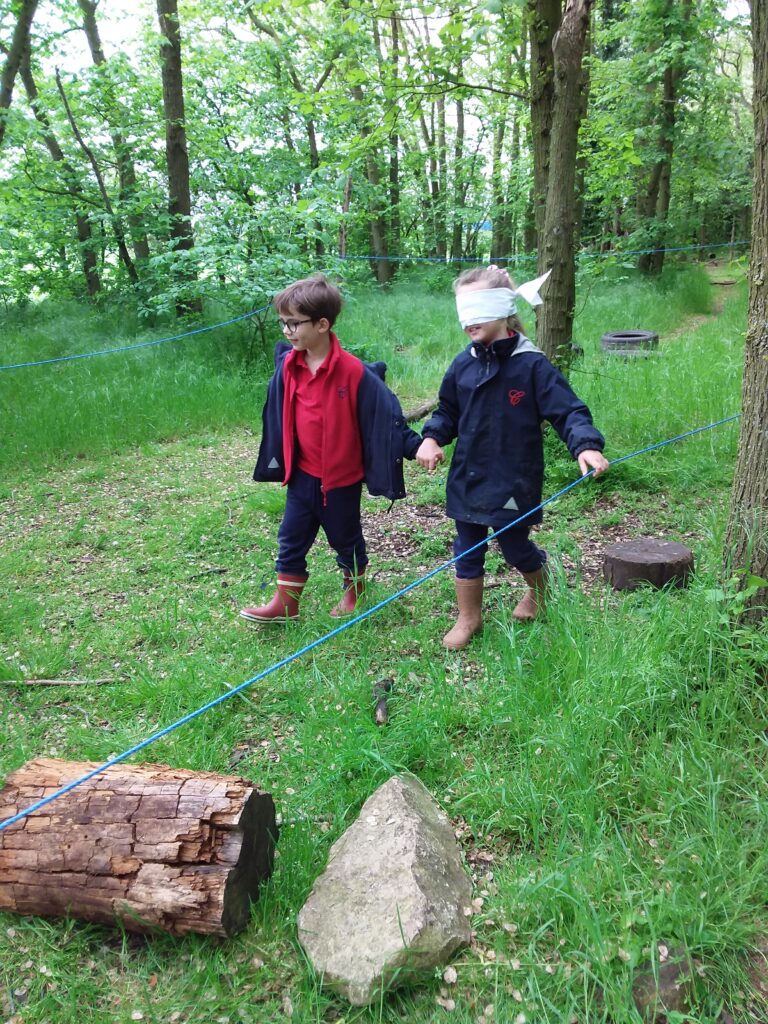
<point>605,769</point>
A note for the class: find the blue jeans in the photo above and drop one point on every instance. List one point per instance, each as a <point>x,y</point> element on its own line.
<point>516,546</point>
<point>306,510</point>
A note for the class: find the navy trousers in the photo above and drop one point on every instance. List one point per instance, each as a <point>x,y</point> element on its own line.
<point>306,510</point>
<point>516,546</point>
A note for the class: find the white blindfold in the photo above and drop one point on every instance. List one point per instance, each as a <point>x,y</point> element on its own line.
<point>487,304</point>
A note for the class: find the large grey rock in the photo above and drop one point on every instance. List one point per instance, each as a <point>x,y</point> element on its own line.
<point>394,898</point>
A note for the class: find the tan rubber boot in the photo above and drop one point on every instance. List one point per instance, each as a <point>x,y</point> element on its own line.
<point>533,601</point>
<point>354,588</point>
<point>284,604</point>
<point>469,597</point>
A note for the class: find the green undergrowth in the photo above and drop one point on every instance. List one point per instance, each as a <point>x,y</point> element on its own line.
<point>604,769</point>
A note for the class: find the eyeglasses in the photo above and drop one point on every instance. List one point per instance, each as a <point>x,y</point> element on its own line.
<point>291,325</point>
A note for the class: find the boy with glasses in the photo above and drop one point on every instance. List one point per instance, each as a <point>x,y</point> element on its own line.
<point>329,423</point>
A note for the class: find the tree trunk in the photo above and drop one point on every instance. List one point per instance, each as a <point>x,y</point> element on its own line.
<point>117,226</point>
<point>15,56</point>
<point>459,184</point>
<point>656,205</point>
<point>746,544</point>
<point>346,201</point>
<point>544,19</point>
<point>442,179</point>
<point>557,241</point>
<point>146,845</point>
<point>72,183</point>
<point>500,220</point>
<point>395,220</point>
<point>177,157</point>
<point>125,168</point>
<point>382,267</point>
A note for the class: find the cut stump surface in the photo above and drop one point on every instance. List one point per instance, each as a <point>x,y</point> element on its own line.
<point>647,560</point>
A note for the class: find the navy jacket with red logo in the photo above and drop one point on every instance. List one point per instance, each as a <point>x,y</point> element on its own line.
<point>493,400</point>
<point>386,437</point>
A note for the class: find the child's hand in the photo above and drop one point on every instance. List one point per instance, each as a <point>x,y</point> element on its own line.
<point>590,458</point>
<point>430,454</point>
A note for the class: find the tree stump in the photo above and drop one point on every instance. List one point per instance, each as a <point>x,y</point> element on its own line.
<point>147,845</point>
<point>647,560</point>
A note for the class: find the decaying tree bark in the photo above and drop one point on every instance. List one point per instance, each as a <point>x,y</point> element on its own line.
<point>147,845</point>
<point>647,560</point>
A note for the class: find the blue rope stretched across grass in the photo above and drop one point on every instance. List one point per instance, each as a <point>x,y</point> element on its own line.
<point>140,344</point>
<point>397,259</point>
<point>118,758</point>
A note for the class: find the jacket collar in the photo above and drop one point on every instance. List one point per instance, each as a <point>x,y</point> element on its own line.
<point>500,348</point>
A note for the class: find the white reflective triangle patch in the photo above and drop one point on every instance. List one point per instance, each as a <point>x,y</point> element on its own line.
<point>512,505</point>
<point>274,464</point>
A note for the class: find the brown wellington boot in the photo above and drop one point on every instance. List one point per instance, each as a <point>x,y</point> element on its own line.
<point>354,588</point>
<point>533,601</point>
<point>469,597</point>
<point>284,604</point>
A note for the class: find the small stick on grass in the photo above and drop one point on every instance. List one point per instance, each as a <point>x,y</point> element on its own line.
<point>57,682</point>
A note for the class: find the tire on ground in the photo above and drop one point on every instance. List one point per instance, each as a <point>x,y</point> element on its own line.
<point>629,343</point>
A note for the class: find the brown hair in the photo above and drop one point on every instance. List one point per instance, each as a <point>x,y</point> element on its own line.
<point>313,296</point>
<point>493,277</point>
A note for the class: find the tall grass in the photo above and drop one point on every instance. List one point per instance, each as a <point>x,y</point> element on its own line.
<point>604,768</point>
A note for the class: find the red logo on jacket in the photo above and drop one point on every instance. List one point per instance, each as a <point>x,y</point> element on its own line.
<point>515,397</point>
<point>341,392</point>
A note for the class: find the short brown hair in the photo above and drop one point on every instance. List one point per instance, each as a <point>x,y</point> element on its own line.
<point>492,277</point>
<point>313,296</point>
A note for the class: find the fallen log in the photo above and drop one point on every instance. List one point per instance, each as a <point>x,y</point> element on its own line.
<point>647,560</point>
<point>420,411</point>
<point>146,845</point>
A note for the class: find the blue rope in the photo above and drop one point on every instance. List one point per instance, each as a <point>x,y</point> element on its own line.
<point>334,632</point>
<point>530,258</point>
<point>141,344</point>
<point>397,259</point>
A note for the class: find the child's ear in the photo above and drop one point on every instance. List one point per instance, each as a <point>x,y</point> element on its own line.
<point>324,324</point>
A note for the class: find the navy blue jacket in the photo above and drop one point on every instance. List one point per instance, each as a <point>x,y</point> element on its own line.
<point>492,402</point>
<point>386,437</point>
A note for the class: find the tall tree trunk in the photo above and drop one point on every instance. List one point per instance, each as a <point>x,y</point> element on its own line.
<point>71,179</point>
<point>125,167</point>
<point>346,202</point>
<point>557,241</point>
<point>746,544</point>
<point>655,206</point>
<point>442,178</point>
<point>382,267</point>
<point>309,122</point>
<point>117,226</point>
<point>394,148</point>
<point>14,57</point>
<point>177,157</point>
<point>656,203</point>
<point>544,20</point>
<point>460,184</point>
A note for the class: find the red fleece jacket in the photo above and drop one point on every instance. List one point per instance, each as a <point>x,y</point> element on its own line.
<point>342,449</point>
